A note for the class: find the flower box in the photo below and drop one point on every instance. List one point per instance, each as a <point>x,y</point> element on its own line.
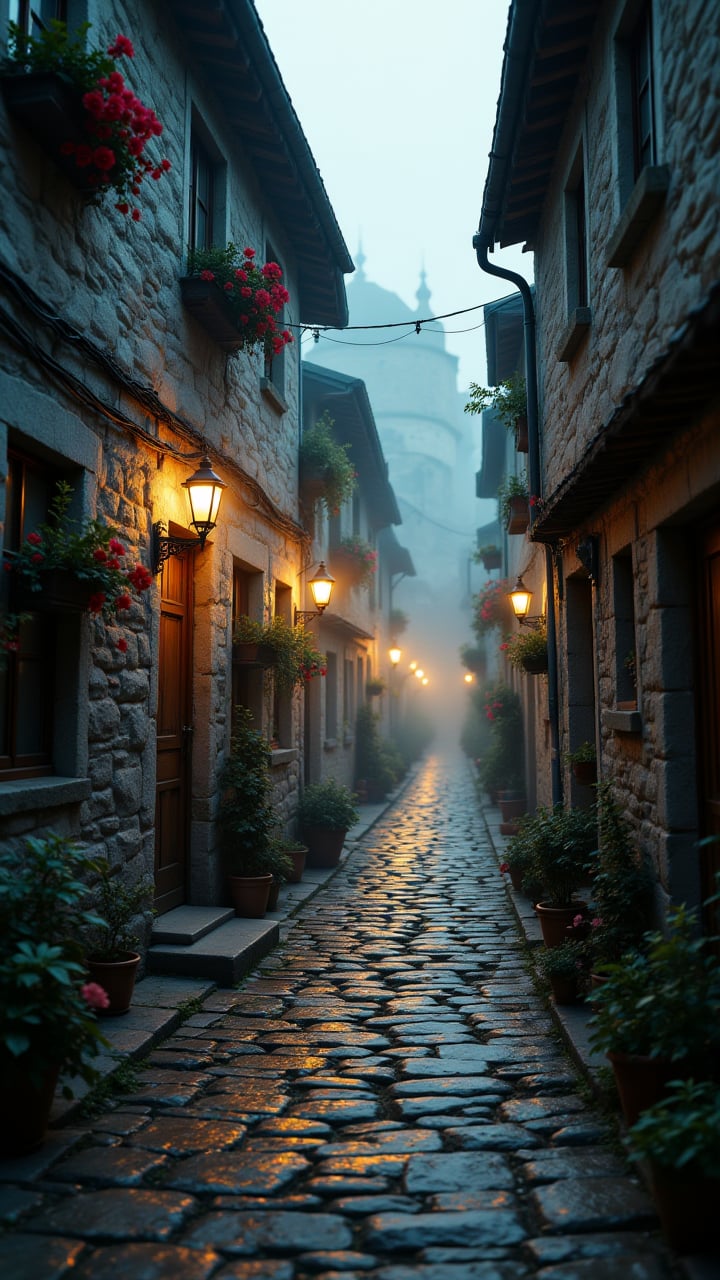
<point>491,560</point>
<point>205,302</point>
<point>536,664</point>
<point>62,592</point>
<point>521,433</point>
<point>50,109</point>
<point>249,654</point>
<point>519,517</point>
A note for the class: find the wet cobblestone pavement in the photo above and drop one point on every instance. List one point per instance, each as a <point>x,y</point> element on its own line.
<point>385,1099</point>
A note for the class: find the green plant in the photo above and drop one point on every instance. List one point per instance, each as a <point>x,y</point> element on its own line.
<point>663,1000</point>
<point>322,454</point>
<point>511,487</point>
<point>364,558</point>
<point>501,762</point>
<point>120,905</point>
<point>682,1131</point>
<point>508,399</point>
<point>524,646</point>
<point>561,842</point>
<point>473,657</point>
<point>246,815</point>
<point>584,754</point>
<point>374,759</point>
<point>486,552</point>
<point>328,804</point>
<point>278,861</point>
<point>566,961</point>
<point>622,884</point>
<point>375,687</point>
<point>116,125</point>
<point>254,295</point>
<point>398,621</point>
<point>47,1020</point>
<point>91,551</point>
<point>296,658</point>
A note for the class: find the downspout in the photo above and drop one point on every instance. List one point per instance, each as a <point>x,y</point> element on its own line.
<point>481,251</point>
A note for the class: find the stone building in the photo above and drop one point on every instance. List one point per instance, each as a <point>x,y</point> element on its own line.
<point>606,164</point>
<point>117,381</point>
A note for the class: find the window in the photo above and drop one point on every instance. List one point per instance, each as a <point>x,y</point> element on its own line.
<point>247,682</point>
<point>202,192</point>
<point>641,90</point>
<point>32,16</point>
<point>576,260</point>
<point>27,681</point>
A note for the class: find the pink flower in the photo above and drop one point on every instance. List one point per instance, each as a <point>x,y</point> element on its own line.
<point>248,252</point>
<point>578,920</point>
<point>95,996</point>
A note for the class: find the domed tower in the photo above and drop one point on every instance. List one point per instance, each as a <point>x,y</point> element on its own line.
<point>412,384</point>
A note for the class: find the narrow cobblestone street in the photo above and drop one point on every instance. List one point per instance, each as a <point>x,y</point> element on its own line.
<point>386,1097</point>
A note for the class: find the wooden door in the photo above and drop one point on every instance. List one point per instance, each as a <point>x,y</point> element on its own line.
<point>708,713</point>
<point>174,733</point>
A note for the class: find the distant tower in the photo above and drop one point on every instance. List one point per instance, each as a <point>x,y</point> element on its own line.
<point>412,385</point>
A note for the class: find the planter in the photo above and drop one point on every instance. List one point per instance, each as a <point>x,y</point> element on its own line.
<point>512,809</point>
<point>641,1081</point>
<point>313,483</point>
<point>687,1204</point>
<point>521,433</point>
<point>515,879</point>
<point>273,895</point>
<point>324,845</point>
<point>564,989</point>
<point>246,653</point>
<point>492,560</point>
<point>250,895</point>
<point>25,1106</point>
<point>205,302</point>
<point>585,772</point>
<point>519,517</point>
<point>535,664</point>
<point>554,921</point>
<point>61,592</point>
<point>298,857</point>
<point>117,978</point>
<point>48,107</point>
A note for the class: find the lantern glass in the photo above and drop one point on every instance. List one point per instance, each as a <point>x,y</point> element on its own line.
<point>321,585</point>
<point>520,598</point>
<point>205,490</point>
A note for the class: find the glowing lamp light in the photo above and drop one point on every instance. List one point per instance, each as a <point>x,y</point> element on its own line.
<point>205,490</point>
<point>413,666</point>
<point>395,655</point>
<point>321,587</point>
<point>419,673</point>
<point>520,598</point>
<point>424,680</point>
<point>468,678</point>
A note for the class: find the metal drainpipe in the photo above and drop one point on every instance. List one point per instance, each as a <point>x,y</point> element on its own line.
<point>520,283</point>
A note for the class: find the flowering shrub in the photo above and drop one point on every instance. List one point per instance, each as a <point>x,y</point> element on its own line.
<point>525,646</point>
<point>116,124</point>
<point>490,606</point>
<point>91,552</point>
<point>254,294</point>
<point>364,558</point>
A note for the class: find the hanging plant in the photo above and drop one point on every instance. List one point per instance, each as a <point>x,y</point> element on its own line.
<point>490,607</point>
<point>107,153</point>
<point>508,399</point>
<point>527,650</point>
<point>324,460</point>
<point>362,557</point>
<point>252,296</point>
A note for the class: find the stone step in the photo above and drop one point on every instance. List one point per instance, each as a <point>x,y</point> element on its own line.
<point>223,955</point>
<point>185,925</point>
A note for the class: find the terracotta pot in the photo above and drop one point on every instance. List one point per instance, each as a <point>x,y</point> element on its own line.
<point>61,592</point>
<point>564,989</point>
<point>687,1203</point>
<point>519,517</point>
<point>248,653</point>
<point>492,560</point>
<point>250,895</point>
<point>585,772</point>
<point>25,1106</point>
<point>324,846</point>
<point>117,978</point>
<point>512,809</point>
<point>554,921</point>
<point>298,857</point>
<point>641,1081</point>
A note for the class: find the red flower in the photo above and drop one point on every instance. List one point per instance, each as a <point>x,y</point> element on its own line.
<point>83,156</point>
<point>123,602</point>
<point>122,645</point>
<point>141,578</point>
<point>34,539</point>
<point>116,547</point>
<point>122,46</point>
<point>207,275</point>
<point>100,555</point>
<point>136,215</point>
<point>123,207</point>
<point>95,996</point>
<point>229,287</point>
<point>96,602</point>
<point>248,252</point>
<point>37,557</point>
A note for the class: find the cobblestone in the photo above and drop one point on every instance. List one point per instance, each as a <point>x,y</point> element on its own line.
<point>384,1098</point>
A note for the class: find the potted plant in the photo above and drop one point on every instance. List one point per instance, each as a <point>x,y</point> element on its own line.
<point>360,559</point>
<point>474,658</point>
<point>111,958</point>
<point>527,650</point>
<point>622,885</point>
<point>500,766</point>
<point>281,867</point>
<point>64,564</point>
<point>518,858</point>
<point>250,646</point>
<point>235,300</point>
<point>290,650</point>
<point>513,503</point>
<point>48,1026</point>
<point>657,1014</point>
<point>562,841</point>
<point>680,1138</point>
<point>326,472</point>
<point>326,812</point>
<point>246,817</point>
<point>508,400</point>
<point>374,761</point>
<point>398,622</point>
<point>489,556</point>
<point>77,103</point>
<point>565,968</point>
<point>375,687</point>
<point>583,762</point>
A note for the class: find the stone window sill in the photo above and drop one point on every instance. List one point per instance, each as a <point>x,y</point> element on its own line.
<point>270,393</point>
<point>42,793</point>
<point>578,326</point>
<point>646,201</point>
<point>282,755</point>
<point>622,721</point>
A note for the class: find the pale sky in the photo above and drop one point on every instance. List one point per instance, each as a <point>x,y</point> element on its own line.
<point>397,99</point>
